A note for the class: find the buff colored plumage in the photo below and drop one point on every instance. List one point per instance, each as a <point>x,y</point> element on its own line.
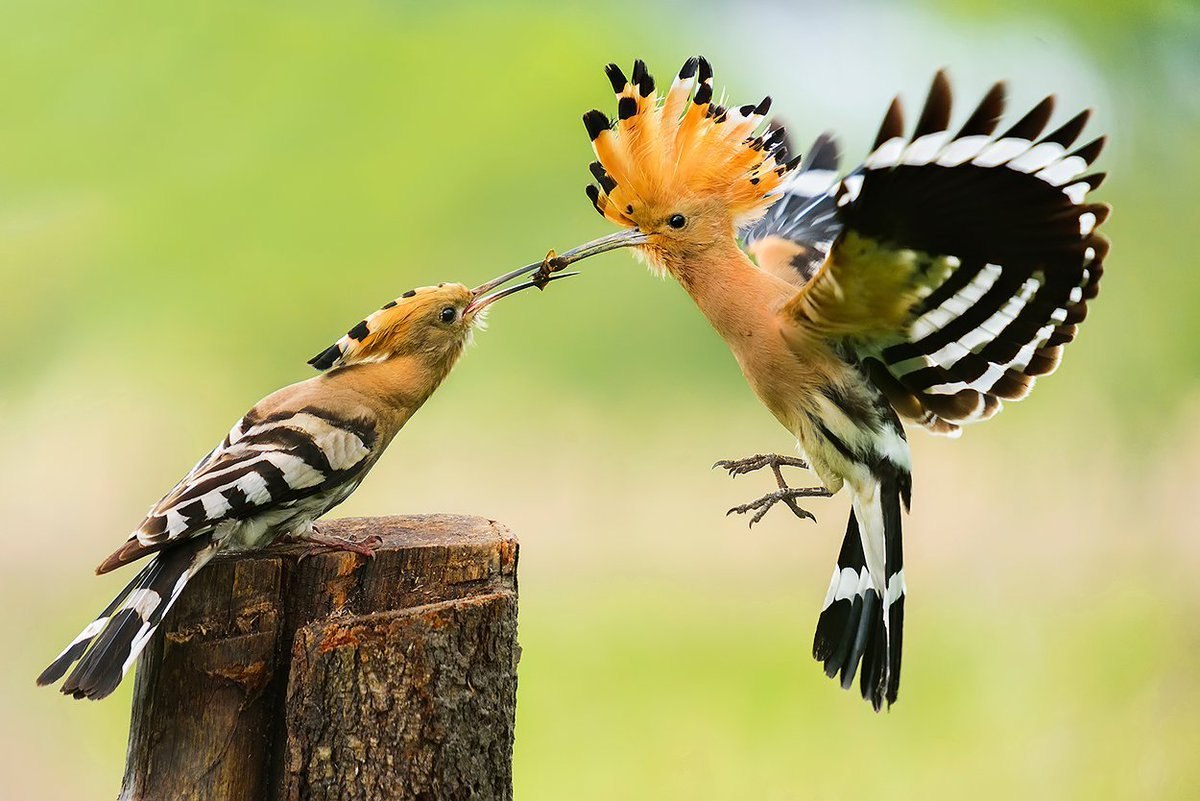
<point>295,455</point>
<point>939,278</point>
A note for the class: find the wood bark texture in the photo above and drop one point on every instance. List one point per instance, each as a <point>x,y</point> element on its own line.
<point>337,676</point>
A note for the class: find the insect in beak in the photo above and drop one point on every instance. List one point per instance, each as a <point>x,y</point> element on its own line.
<point>552,264</point>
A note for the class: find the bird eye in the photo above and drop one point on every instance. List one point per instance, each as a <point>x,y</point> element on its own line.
<point>677,221</point>
<point>448,314</point>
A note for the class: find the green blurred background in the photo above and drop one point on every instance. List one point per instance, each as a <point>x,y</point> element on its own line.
<point>195,198</point>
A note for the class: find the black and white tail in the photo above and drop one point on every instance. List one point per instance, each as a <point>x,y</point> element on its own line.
<point>109,645</point>
<point>862,621</point>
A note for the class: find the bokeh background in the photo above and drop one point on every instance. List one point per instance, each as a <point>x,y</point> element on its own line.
<point>195,198</point>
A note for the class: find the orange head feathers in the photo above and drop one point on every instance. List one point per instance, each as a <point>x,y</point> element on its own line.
<point>427,320</point>
<point>673,159</point>
<point>433,323</point>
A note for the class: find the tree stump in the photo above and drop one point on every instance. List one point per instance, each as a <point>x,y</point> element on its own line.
<point>337,676</point>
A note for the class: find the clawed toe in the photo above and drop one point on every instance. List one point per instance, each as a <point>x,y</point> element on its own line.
<point>740,467</point>
<point>798,511</point>
<point>759,508</point>
<point>323,543</point>
<point>787,497</point>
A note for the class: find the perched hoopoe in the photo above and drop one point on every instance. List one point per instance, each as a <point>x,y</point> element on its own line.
<point>298,453</point>
<point>931,283</point>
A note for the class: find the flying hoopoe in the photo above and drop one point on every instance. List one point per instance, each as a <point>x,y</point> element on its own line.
<point>936,280</point>
<point>298,453</point>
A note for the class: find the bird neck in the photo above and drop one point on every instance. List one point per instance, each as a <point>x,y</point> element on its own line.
<point>739,300</point>
<point>400,384</point>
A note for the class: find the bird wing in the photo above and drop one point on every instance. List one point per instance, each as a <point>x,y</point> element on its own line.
<point>964,262</point>
<point>267,461</point>
<point>793,238</point>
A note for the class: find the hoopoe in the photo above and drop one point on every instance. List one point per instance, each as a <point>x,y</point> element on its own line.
<point>298,453</point>
<point>933,282</point>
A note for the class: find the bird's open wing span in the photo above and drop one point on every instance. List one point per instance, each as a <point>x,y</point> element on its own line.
<point>265,462</point>
<point>965,261</point>
<point>793,238</point>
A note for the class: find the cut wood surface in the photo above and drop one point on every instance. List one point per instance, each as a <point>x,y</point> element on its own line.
<point>337,676</point>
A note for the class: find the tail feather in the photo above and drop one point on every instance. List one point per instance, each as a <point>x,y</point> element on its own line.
<point>862,622</point>
<point>75,650</point>
<point>108,646</point>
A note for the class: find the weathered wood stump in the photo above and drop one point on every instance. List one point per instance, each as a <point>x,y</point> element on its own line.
<point>337,676</point>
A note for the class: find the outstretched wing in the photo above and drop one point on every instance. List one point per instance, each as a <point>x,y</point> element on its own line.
<point>265,462</point>
<point>793,238</point>
<point>965,261</point>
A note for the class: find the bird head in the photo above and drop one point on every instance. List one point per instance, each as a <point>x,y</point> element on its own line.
<point>432,323</point>
<point>679,172</point>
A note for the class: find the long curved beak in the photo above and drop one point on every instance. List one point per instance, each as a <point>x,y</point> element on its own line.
<point>549,269</point>
<point>621,239</point>
<point>484,288</point>
<point>480,299</point>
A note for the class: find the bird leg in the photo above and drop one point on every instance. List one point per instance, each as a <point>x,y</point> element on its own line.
<point>785,494</point>
<point>319,542</point>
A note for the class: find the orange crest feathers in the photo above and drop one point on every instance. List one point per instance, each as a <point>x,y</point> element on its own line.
<point>681,144</point>
<point>403,324</point>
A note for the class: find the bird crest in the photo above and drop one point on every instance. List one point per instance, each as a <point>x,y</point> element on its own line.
<point>396,327</point>
<point>664,147</point>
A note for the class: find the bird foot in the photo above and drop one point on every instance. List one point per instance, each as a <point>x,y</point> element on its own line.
<point>787,496</point>
<point>319,543</point>
<point>740,467</point>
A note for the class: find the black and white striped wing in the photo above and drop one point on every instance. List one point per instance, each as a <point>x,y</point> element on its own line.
<point>972,259</point>
<point>794,236</point>
<point>265,462</point>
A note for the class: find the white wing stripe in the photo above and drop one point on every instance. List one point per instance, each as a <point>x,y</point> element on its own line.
<point>1037,157</point>
<point>937,319</point>
<point>298,473</point>
<point>960,151</point>
<point>1001,152</point>
<point>925,149</point>
<point>886,155</point>
<point>254,487</point>
<point>811,183</point>
<point>1060,172</point>
<point>342,448</point>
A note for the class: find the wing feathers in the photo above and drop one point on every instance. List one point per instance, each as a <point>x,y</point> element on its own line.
<point>264,463</point>
<point>892,125</point>
<point>793,237</point>
<point>986,116</point>
<point>936,114</point>
<point>988,239</point>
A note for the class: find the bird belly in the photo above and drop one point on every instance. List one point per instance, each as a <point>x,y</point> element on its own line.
<point>262,529</point>
<point>845,429</point>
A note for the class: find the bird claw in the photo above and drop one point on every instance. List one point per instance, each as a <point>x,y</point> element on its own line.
<point>740,467</point>
<point>320,543</point>
<point>787,497</point>
<point>785,494</point>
